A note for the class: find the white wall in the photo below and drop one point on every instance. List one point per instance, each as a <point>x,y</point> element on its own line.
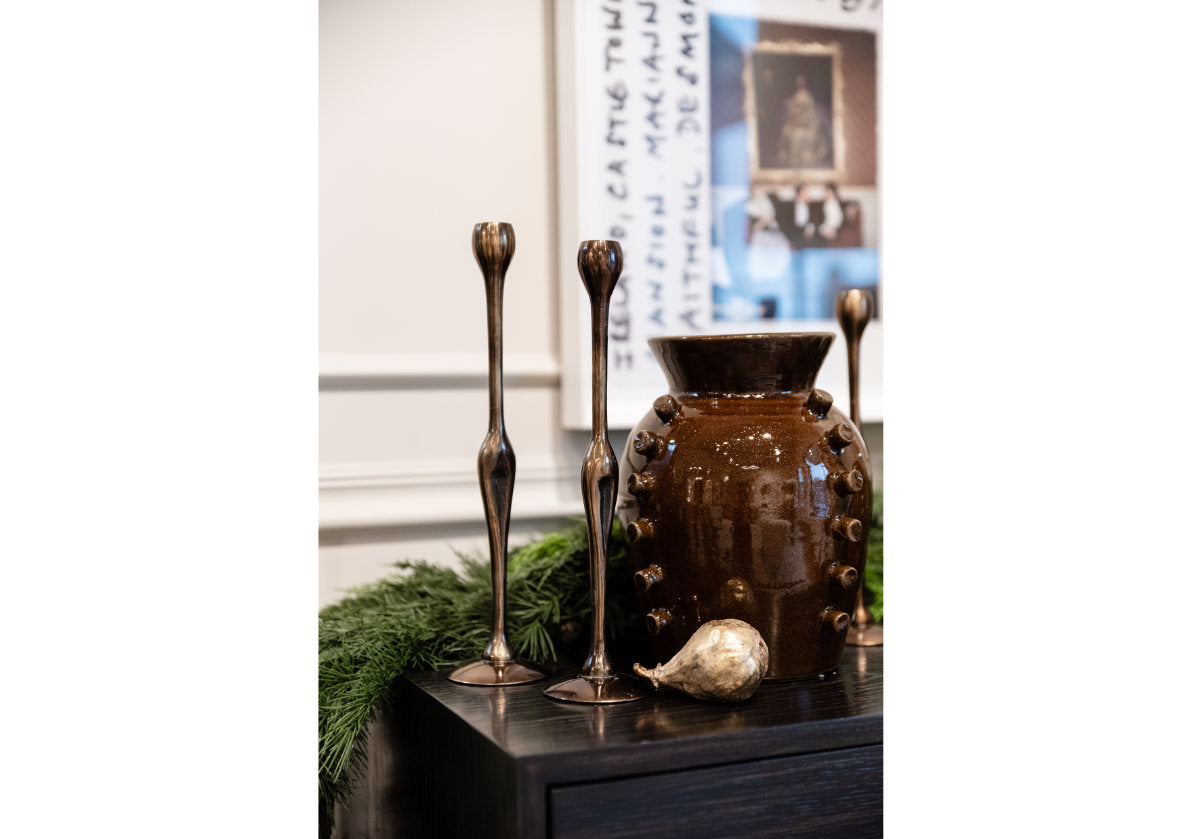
<point>434,116</point>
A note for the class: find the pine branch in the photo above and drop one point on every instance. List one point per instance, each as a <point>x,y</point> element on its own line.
<point>873,576</point>
<point>426,617</point>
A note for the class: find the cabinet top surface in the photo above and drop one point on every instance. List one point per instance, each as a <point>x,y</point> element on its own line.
<point>843,709</point>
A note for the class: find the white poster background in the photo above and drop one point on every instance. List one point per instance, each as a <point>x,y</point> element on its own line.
<point>633,133</point>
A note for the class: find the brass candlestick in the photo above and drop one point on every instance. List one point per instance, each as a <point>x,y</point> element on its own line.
<point>854,308</point>
<point>494,244</point>
<point>600,268</point>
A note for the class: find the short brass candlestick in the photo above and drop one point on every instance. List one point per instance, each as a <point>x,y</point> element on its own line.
<point>494,244</point>
<point>854,308</point>
<point>600,267</point>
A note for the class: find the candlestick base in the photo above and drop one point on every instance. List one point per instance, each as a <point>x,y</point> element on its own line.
<point>615,688</point>
<point>870,635</point>
<point>495,674</point>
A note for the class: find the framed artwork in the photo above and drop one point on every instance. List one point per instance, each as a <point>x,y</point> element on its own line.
<point>794,113</point>
<point>731,148</point>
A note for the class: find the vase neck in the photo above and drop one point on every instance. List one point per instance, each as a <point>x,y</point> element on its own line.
<point>765,363</point>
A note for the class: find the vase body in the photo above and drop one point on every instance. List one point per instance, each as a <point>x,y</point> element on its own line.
<point>746,495</point>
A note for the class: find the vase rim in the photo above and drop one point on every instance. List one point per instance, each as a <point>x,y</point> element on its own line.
<point>755,363</point>
<point>662,339</point>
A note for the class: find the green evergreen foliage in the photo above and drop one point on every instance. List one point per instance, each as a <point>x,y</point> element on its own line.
<point>873,578</point>
<point>425,617</point>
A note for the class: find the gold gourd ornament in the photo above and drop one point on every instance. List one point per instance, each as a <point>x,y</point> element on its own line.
<point>724,660</point>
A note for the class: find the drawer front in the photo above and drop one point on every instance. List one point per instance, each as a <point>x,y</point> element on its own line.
<point>836,793</point>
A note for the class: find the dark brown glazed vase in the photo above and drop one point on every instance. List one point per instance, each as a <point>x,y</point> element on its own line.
<point>746,495</point>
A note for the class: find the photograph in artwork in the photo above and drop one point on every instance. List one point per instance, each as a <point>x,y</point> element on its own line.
<point>792,96</point>
<point>794,174</point>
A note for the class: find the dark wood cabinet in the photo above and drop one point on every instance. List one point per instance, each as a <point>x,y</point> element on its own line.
<point>801,759</point>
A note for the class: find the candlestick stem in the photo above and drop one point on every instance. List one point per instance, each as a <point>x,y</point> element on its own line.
<point>494,244</point>
<point>600,268</point>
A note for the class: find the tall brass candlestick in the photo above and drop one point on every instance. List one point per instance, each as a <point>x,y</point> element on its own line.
<point>494,244</point>
<point>600,267</point>
<point>854,308</point>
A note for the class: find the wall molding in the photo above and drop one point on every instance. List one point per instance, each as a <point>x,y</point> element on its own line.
<point>370,371</point>
<point>367,496</point>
